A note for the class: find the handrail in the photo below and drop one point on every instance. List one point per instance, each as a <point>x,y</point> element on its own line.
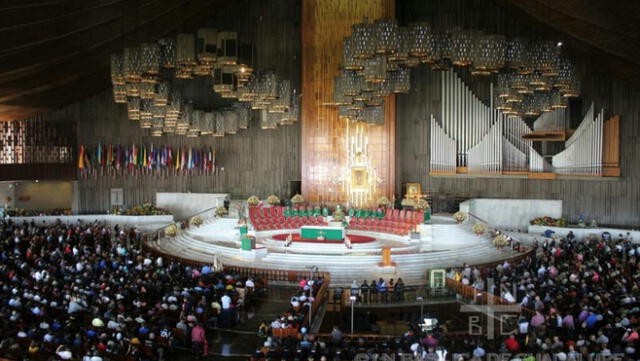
<point>159,230</point>
<point>318,300</point>
<point>481,297</point>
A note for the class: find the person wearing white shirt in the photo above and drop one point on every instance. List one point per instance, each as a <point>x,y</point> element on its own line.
<point>226,302</point>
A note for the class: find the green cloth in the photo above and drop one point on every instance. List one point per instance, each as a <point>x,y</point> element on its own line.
<point>247,244</point>
<point>325,212</point>
<point>427,216</point>
<point>359,213</point>
<point>351,212</point>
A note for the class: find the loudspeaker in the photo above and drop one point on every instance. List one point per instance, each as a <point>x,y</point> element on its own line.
<point>295,187</point>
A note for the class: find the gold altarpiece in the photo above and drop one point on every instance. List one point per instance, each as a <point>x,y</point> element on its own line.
<point>332,171</point>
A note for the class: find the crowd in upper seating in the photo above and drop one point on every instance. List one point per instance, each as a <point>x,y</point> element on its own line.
<point>88,292</point>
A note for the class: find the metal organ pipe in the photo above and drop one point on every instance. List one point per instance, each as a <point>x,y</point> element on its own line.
<point>583,150</point>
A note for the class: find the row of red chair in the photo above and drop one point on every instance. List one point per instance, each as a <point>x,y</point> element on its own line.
<point>399,230</point>
<point>265,226</point>
<point>406,216</point>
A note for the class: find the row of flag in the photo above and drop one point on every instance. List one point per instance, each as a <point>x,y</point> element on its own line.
<point>141,159</point>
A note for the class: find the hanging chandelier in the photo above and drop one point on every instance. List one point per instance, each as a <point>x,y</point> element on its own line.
<point>142,78</point>
<point>377,58</point>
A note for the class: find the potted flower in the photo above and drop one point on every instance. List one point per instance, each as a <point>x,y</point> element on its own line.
<point>171,230</point>
<point>459,217</point>
<point>500,241</point>
<point>338,215</point>
<point>253,201</point>
<point>221,211</point>
<point>479,228</point>
<point>383,202</point>
<point>196,221</point>
<point>273,200</point>
<point>297,199</point>
<point>421,204</point>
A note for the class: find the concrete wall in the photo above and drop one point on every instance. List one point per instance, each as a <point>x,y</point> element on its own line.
<point>511,213</point>
<point>184,205</point>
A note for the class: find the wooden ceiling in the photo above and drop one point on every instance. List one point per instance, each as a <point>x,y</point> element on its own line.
<point>603,33</point>
<point>56,52</point>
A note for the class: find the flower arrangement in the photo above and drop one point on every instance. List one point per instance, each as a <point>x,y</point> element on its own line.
<point>253,201</point>
<point>297,199</point>
<point>196,221</point>
<point>19,212</point>
<point>273,200</point>
<point>407,202</point>
<point>459,217</point>
<point>549,221</point>
<point>421,204</point>
<point>383,202</point>
<point>171,230</point>
<point>221,211</point>
<point>338,215</point>
<point>146,209</point>
<point>479,228</point>
<point>500,241</point>
<point>115,211</point>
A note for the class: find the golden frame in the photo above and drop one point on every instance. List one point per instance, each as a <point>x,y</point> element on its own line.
<point>413,190</point>
<point>359,178</point>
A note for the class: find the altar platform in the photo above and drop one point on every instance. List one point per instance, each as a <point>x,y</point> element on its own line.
<point>297,238</point>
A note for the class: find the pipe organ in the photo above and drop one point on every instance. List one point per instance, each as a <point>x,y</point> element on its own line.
<point>583,150</point>
<point>484,139</point>
<point>443,150</point>
<point>554,120</point>
<point>475,138</point>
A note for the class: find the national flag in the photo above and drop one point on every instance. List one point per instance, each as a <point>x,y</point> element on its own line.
<point>81,157</point>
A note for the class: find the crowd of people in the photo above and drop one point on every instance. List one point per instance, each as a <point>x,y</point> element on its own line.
<point>380,291</point>
<point>578,298</point>
<point>300,304</point>
<point>88,292</point>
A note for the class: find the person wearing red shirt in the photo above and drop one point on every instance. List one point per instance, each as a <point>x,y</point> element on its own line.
<point>512,344</point>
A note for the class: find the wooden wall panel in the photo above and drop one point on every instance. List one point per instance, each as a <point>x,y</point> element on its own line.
<point>255,161</point>
<point>608,201</point>
<point>324,25</point>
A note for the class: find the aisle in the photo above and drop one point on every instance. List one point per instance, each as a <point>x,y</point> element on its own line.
<point>240,341</point>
